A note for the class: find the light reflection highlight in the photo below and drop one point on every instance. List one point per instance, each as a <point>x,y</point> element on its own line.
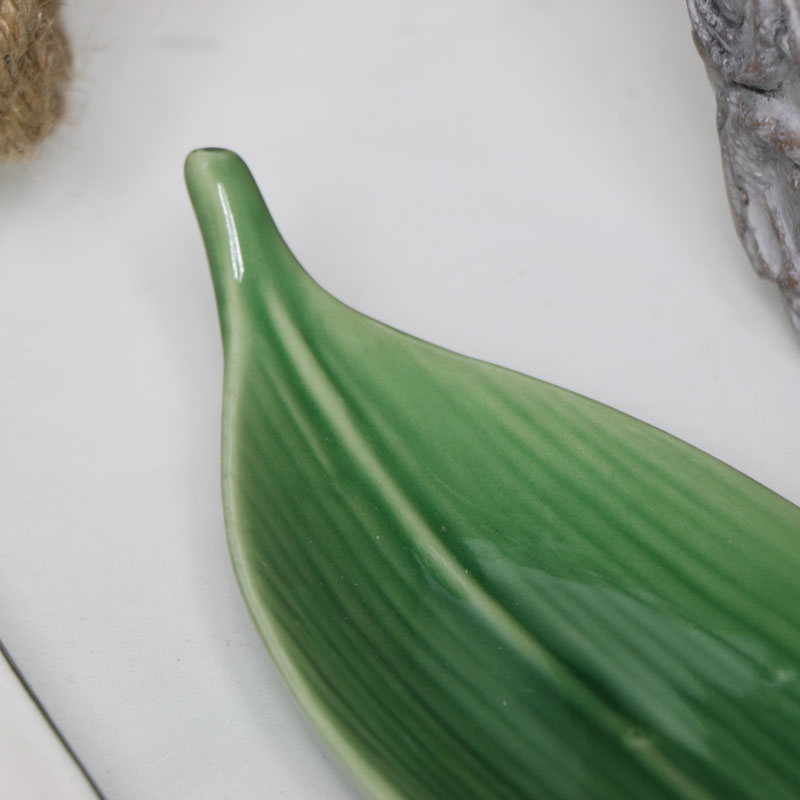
<point>237,263</point>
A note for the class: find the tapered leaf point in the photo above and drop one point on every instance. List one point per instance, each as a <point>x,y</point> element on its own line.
<point>238,231</point>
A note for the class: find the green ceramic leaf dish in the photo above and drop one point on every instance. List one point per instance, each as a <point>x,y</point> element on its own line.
<point>479,585</point>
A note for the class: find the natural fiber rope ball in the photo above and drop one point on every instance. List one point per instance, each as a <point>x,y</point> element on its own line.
<point>33,74</point>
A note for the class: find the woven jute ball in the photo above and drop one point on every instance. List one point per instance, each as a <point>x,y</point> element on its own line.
<point>34,73</point>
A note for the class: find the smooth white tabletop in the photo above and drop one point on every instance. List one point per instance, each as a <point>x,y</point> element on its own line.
<point>531,182</point>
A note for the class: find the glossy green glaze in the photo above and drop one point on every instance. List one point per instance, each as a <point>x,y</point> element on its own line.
<point>476,584</point>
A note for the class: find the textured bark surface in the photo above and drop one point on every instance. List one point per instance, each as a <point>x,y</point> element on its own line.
<point>751,49</point>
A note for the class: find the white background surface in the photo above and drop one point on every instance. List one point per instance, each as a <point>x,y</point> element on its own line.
<point>532,182</point>
<point>34,764</point>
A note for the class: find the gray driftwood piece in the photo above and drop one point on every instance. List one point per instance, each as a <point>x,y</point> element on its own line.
<point>751,49</point>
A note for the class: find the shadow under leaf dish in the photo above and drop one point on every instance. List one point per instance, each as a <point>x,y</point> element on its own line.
<point>477,584</point>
